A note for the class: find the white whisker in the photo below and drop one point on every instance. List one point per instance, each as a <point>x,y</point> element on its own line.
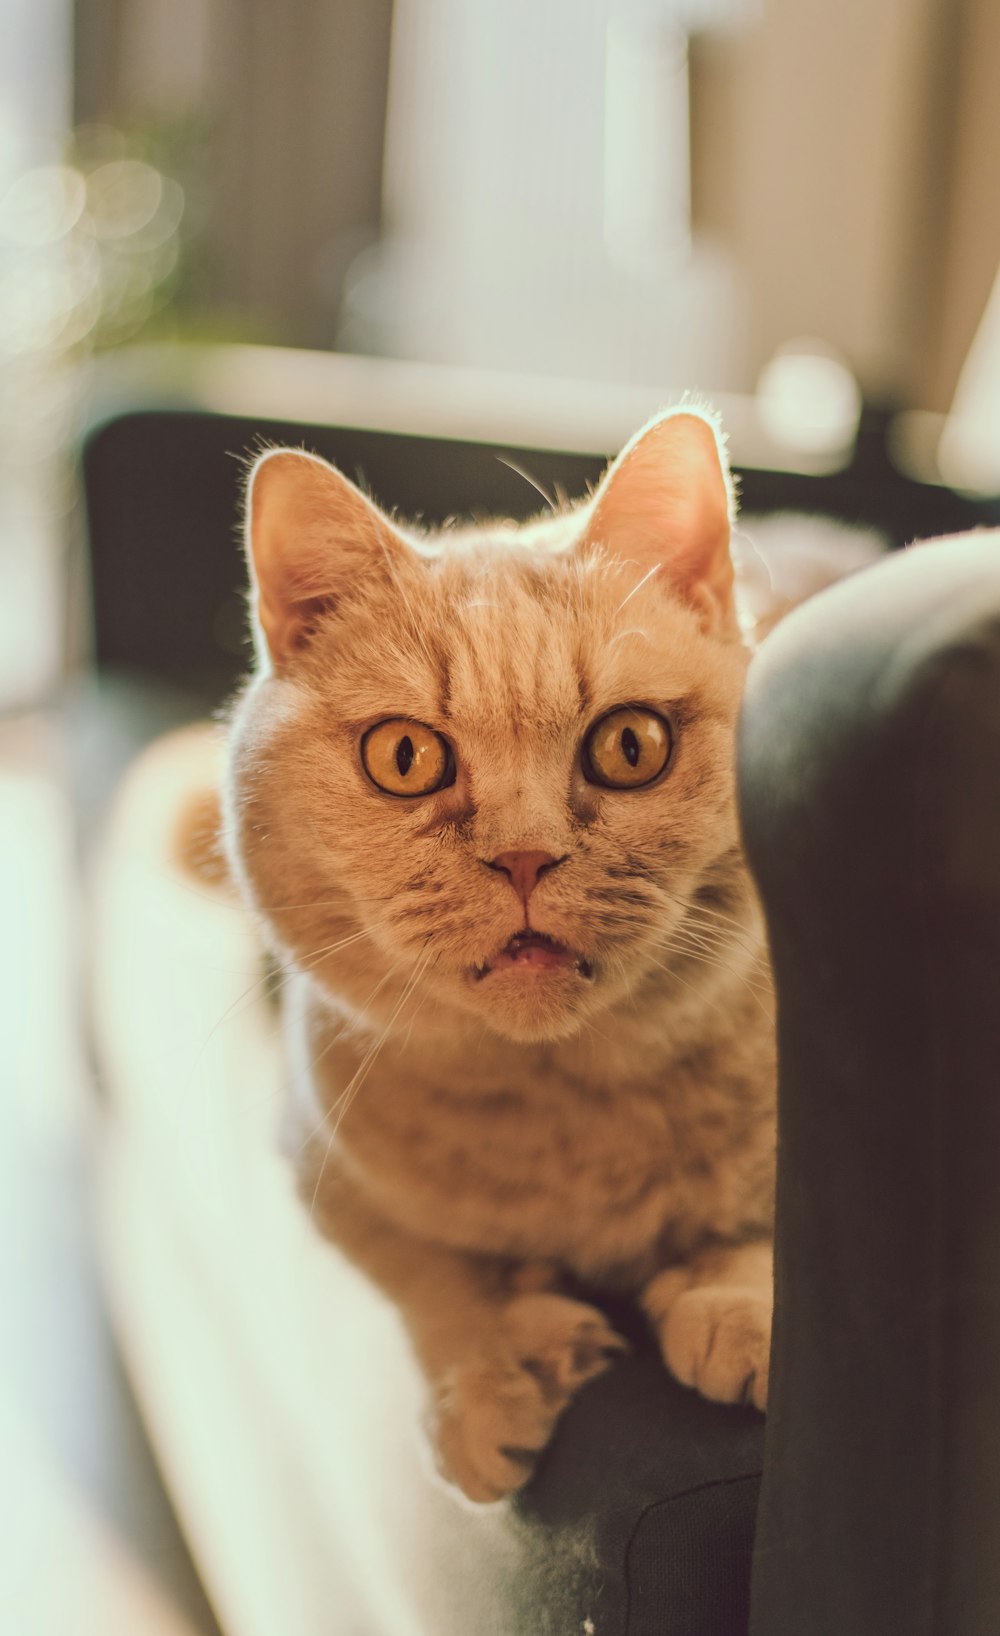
<point>348,1095</point>
<point>645,578</point>
<point>712,939</point>
<point>755,990</point>
<point>633,630</point>
<point>513,466</point>
<point>314,1061</point>
<point>278,977</point>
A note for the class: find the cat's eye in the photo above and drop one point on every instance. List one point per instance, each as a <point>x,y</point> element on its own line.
<point>406,758</point>
<point>626,748</point>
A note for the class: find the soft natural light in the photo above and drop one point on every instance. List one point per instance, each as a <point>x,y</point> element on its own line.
<point>809,399</point>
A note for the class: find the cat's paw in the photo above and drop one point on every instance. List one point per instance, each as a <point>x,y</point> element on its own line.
<point>496,1413</point>
<point>718,1340</point>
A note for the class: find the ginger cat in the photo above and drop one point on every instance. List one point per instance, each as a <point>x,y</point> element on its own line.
<point>480,794</point>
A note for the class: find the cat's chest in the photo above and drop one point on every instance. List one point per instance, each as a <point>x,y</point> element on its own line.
<point>590,1176</point>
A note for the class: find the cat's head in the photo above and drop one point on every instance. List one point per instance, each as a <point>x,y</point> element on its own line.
<point>485,772</point>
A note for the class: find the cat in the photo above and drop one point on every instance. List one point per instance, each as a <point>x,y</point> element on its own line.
<point>480,795</point>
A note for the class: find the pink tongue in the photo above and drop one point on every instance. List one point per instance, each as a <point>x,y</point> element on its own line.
<point>532,954</point>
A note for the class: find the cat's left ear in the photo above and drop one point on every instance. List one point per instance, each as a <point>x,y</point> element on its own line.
<point>666,505</point>
<point>311,536</point>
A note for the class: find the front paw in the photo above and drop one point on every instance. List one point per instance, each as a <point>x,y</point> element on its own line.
<point>495,1413</point>
<point>718,1340</point>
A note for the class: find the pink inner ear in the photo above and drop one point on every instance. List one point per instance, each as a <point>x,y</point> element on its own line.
<point>310,535</point>
<point>666,503</point>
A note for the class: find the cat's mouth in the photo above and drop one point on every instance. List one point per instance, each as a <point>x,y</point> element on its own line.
<point>534,951</point>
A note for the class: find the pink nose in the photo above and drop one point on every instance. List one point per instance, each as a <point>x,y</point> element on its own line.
<point>524,869</point>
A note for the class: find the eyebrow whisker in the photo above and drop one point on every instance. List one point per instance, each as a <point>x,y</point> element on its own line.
<point>646,577</point>
<point>513,466</point>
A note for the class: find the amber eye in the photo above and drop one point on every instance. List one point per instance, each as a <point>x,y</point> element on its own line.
<point>406,758</point>
<point>626,748</point>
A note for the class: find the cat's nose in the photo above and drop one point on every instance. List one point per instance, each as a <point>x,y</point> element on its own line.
<point>524,869</point>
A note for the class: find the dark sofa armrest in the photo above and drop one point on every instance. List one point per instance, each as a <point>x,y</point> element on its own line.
<point>870,774</point>
<point>639,1520</point>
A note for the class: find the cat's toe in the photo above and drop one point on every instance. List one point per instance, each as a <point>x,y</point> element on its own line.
<point>495,1417</point>
<point>562,1343</point>
<point>718,1340</point>
<point>490,1427</point>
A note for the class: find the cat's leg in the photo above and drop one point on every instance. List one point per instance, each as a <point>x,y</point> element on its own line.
<point>502,1350</point>
<point>713,1319</point>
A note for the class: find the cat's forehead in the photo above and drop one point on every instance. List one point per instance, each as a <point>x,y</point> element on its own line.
<point>515,641</point>
<point>501,640</point>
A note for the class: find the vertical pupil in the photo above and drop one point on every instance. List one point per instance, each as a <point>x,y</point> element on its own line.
<point>630,747</point>
<point>404,755</point>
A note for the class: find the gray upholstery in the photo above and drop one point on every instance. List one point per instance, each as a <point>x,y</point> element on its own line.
<point>871,803</point>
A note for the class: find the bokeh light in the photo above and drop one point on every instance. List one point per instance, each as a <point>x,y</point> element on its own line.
<point>809,399</point>
<point>88,253</point>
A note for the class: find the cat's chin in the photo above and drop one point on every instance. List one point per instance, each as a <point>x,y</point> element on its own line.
<point>534,1025</point>
<point>533,994</point>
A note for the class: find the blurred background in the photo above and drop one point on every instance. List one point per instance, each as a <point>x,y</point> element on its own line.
<point>737,196</point>
<point>788,205</point>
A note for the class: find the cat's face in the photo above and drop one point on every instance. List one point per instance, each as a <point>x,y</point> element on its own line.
<point>500,767</point>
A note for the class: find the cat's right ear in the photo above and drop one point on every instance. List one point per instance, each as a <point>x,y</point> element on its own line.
<point>310,535</point>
